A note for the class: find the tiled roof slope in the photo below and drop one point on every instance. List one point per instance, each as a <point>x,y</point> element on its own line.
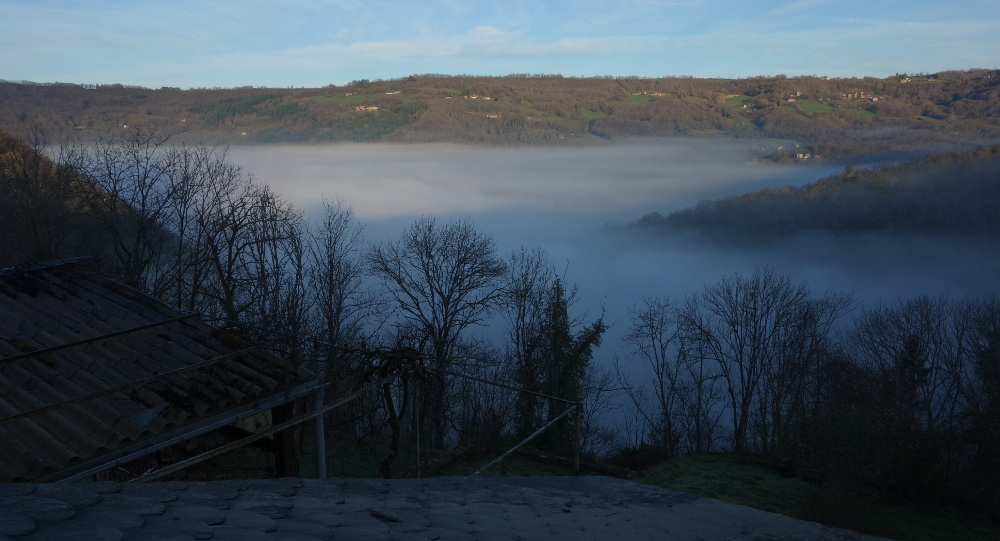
<point>91,369</point>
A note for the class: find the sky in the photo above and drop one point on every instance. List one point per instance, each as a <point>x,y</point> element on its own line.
<point>313,43</point>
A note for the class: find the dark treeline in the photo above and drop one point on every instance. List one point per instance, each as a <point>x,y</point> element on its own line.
<point>892,402</point>
<point>953,194</point>
<point>806,117</point>
<point>901,405</point>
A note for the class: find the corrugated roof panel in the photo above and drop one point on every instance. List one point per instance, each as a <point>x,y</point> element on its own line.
<point>23,400</point>
<point>40,317</point>
<point>254,376</point>
<point>18,458</point>
<point>7,408</point>
<point>144,380</point>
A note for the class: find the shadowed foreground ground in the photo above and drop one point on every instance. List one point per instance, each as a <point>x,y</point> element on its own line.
<point>445,508</point>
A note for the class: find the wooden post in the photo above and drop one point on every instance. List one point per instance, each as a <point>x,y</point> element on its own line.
<point>286,455</point>
<point>320,437</point>
<point>416,421</point>
<point>579,433</point>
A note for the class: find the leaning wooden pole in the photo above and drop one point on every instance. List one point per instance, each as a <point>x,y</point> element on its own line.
<point>525,440</point>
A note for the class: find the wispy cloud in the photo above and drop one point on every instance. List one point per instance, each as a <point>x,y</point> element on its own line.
<point>224,43</point>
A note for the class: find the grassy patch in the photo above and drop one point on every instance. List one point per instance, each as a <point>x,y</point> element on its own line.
<point>741,99</point>
<point>813,107</point>
<point>753,485</point>
<point>593,114</point>
<point>761,487</point>
<point>865,113</point>
<point>639,99</point>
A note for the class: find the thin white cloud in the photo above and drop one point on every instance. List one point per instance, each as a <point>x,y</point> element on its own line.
<point>478,42</point>
<point>228,43</point>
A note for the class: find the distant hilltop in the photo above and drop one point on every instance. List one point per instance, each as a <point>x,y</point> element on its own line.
<point>802,118</point>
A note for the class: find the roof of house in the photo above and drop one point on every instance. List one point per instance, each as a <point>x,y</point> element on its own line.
<point>93,372</point>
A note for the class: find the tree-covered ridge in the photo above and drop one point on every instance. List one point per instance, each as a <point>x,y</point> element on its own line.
<point>943,193</point>
<point>809,117</point>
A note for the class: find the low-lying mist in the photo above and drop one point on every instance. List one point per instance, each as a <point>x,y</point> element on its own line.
<point>600,183</point>
<point>570,201</point>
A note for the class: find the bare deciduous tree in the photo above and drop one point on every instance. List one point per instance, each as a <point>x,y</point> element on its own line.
<point>524,305</point>
<point>681,412</point>
<point>739,324</point>
<point>653,340</point>
<point>341,302</point>
<point>131,191</point>
<point>444,279</point>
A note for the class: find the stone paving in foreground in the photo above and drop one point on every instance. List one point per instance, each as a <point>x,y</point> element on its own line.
<point>444,508</point>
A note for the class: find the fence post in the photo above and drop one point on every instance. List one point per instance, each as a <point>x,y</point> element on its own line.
<point>416,415</point>
<point>579,433</point>
<point>320,429</point>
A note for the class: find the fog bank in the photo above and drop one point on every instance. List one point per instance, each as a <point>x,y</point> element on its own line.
<point>610,182</point>
<point>563,199</point>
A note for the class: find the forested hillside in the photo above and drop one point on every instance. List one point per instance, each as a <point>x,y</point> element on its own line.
<point>954,194</point>
<point>803,117</point>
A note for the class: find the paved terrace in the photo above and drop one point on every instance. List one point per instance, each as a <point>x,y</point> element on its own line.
<point>445,508</point>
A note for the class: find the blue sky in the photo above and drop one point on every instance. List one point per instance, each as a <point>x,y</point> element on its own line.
<point>311,43</point>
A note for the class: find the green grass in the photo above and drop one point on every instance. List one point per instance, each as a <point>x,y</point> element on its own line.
<point>761,487</point>
<point>593,114</point>
<point>745,484</point>
<point>741,99</point>
<point>813,107</point>
<point>865,113</point>
<point>740,120</point>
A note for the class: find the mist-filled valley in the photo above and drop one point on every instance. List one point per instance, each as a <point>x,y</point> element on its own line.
<point>634,282</point>
<point>576,204</point>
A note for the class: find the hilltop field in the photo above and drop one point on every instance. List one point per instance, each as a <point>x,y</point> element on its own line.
<point>795,118</point>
